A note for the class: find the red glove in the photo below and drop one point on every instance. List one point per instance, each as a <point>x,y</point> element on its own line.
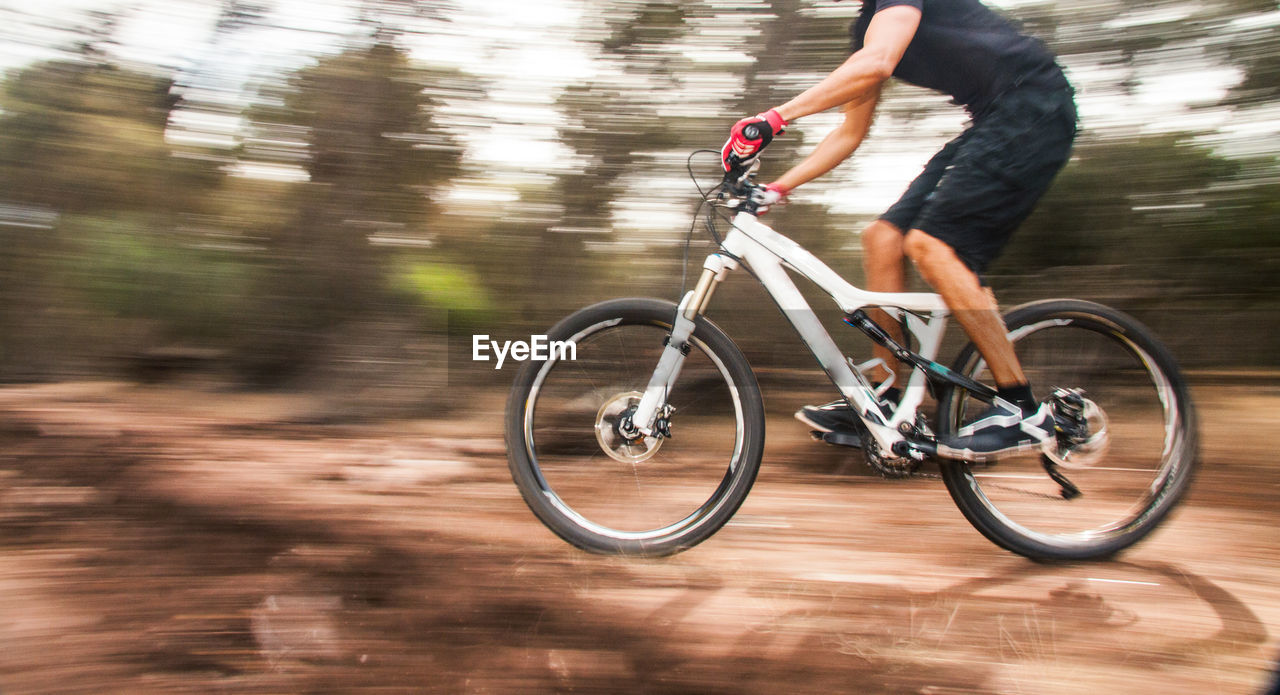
<point>761,128</point>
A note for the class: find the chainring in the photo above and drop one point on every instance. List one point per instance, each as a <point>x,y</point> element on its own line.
<point>890,467</point>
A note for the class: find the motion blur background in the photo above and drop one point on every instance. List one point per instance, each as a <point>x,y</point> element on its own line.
<point>244,246</point>
<point>303,193</point>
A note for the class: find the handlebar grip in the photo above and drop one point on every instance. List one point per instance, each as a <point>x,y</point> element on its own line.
<point>751,132</point>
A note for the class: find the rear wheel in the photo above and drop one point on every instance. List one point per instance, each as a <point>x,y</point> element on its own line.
<point>1120,478</point>
<point>604,492</point>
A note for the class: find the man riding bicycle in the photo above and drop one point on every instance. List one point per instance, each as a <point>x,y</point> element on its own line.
<point>957,215</point>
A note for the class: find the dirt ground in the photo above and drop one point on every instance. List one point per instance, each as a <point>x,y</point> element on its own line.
<point>191,540</point>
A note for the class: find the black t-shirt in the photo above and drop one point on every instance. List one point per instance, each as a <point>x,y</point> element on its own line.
<point>965,50</point>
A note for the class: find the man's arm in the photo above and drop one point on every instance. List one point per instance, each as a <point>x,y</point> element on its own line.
<point>888,35</point>
<point>837,145</point>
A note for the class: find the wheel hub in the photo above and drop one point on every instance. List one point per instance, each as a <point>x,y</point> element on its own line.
<point>609,426</point>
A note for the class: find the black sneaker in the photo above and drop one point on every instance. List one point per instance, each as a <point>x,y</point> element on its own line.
<point>837,416</point>
<point>1000,430</point>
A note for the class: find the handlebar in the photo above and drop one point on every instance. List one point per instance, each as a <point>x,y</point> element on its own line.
<point>738,183</point>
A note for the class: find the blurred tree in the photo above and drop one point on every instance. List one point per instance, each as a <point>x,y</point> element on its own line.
<point>93,198</point>
<point>83,139</point>
<point>1254,37</point>
<point>1090,219</point>
<point>795,48</point>
<point>372,139</point>
<point>373,153</point>
<point>613,122</point>
<point>1165,228</point>
<point>1153,39</point>
<point>81,136</point>
<point>1171,219</point>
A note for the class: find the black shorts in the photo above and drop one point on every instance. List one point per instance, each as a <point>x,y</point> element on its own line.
<point>975,192</point>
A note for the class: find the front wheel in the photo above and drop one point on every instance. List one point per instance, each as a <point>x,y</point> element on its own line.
<point>1125,472</point>
<point>605,492</point>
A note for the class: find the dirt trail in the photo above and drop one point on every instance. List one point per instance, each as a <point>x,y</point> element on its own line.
<point>162,540</point>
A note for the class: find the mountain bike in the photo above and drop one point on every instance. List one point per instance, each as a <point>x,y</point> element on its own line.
<point>649,440</point>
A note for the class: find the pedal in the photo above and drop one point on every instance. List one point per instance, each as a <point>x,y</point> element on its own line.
<point>841,439</point>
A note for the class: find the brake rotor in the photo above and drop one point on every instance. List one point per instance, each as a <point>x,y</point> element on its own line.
<point>613,443</point>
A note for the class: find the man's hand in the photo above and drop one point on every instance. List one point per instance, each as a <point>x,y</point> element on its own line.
<point>749,136</point>
<point>767,197</point>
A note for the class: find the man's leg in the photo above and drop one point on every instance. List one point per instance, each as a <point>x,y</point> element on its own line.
<point>1015,421</point>
<point>973,305</point>
<point>884,261</point>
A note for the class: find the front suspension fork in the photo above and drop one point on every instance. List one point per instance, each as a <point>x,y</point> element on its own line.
<point>677,346</point>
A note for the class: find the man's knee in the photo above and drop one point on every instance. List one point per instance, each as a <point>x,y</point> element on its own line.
<point>882,241</point>
<point>925,250</point>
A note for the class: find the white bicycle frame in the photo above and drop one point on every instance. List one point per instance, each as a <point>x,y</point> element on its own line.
<point>769,255</point>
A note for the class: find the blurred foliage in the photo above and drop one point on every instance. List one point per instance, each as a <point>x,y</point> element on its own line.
<point>371,140</point>
<point>65,127</point>
<point>449,287</point>
<point>1166,219</point>
<point>83,151</point>
<point>130,268</point>
<point>361,123</point>
<point>117,237</point>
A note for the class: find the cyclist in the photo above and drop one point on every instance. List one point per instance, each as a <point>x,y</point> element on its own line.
<point>957,215</point>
